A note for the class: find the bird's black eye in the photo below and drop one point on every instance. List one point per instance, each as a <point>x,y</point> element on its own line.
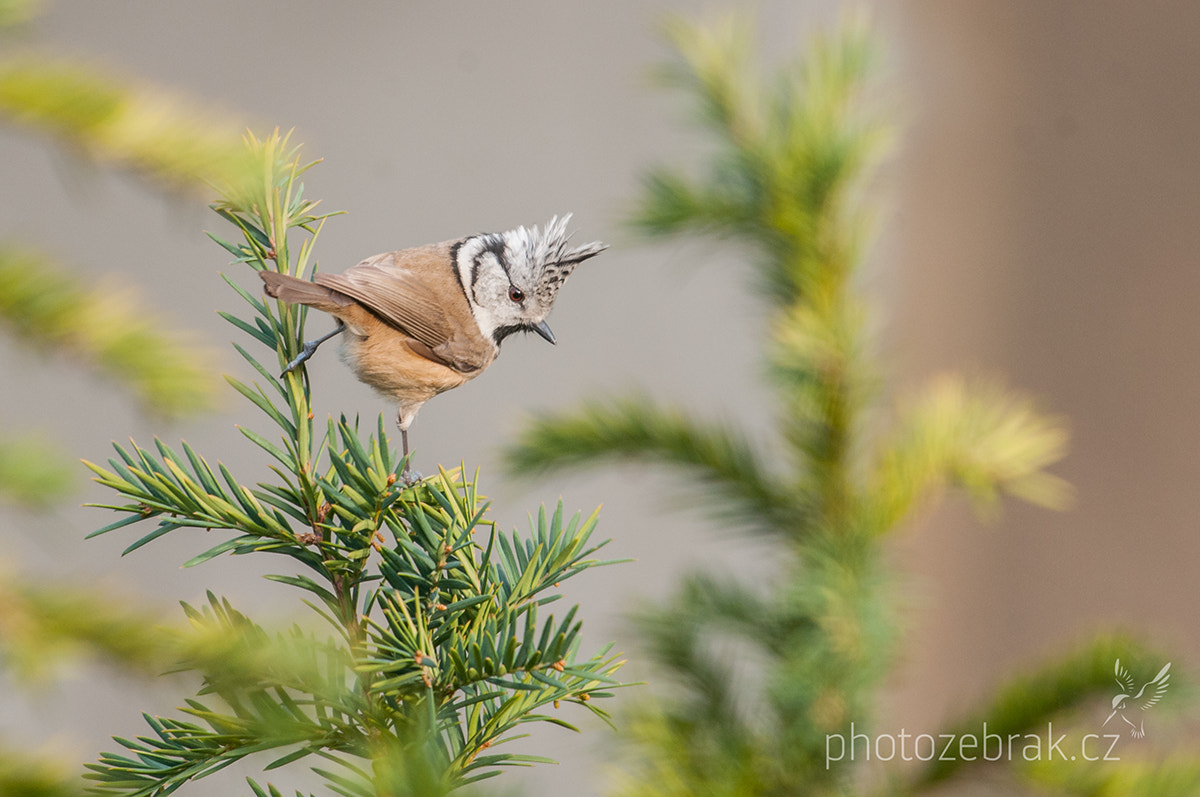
<point>516,294</point>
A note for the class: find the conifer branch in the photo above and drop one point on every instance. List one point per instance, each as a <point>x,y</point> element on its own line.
<point>440,647</point>
<point>718,465</point>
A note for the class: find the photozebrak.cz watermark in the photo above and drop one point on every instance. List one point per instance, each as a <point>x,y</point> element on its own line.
<point>983,746</point>
<point>990,746</point>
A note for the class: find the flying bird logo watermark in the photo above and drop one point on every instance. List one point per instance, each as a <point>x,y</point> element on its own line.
<point>1128,704</point>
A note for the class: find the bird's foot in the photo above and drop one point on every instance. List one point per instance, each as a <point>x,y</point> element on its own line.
<point>408,475</point>
<point>310,347</point>
<point>306,352</point>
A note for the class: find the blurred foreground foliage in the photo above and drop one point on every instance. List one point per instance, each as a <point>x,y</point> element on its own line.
<point>116,122</point>
<point>168,142</point>
<point>764,667</point>
<point>113,122</point>
<point>46,309</point>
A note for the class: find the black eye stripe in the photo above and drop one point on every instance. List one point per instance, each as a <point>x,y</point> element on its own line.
<point>489,243</point>
<point>495,245</point>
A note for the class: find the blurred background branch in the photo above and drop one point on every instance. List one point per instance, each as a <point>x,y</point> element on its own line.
<point>764,666</point>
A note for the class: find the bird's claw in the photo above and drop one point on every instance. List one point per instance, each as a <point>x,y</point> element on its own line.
<point>410,477</point>
<point>309,347</point>
<point>306,352</point>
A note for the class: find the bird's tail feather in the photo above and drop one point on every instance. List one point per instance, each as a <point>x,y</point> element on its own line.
<point>289,289</point>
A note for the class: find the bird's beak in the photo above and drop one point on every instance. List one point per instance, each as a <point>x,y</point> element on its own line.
<point>1110,716</point>
<point>543,329</point>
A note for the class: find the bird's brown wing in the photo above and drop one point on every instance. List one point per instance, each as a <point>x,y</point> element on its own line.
<point>396,295</point>
<point>405,290</point>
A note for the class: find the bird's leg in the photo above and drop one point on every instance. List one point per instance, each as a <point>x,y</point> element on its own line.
<point>310,348</point>
<point>408,475</point>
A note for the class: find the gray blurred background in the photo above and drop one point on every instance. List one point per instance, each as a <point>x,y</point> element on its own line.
<point>1041,223</point>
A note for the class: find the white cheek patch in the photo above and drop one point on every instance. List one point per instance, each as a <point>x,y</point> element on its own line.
<point>486,270</point>
<point>486,320</point>
<point>478,270</point>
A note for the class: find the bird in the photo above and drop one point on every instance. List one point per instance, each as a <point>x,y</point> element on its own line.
<point>418,322</point>
<point>1127,700</point>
